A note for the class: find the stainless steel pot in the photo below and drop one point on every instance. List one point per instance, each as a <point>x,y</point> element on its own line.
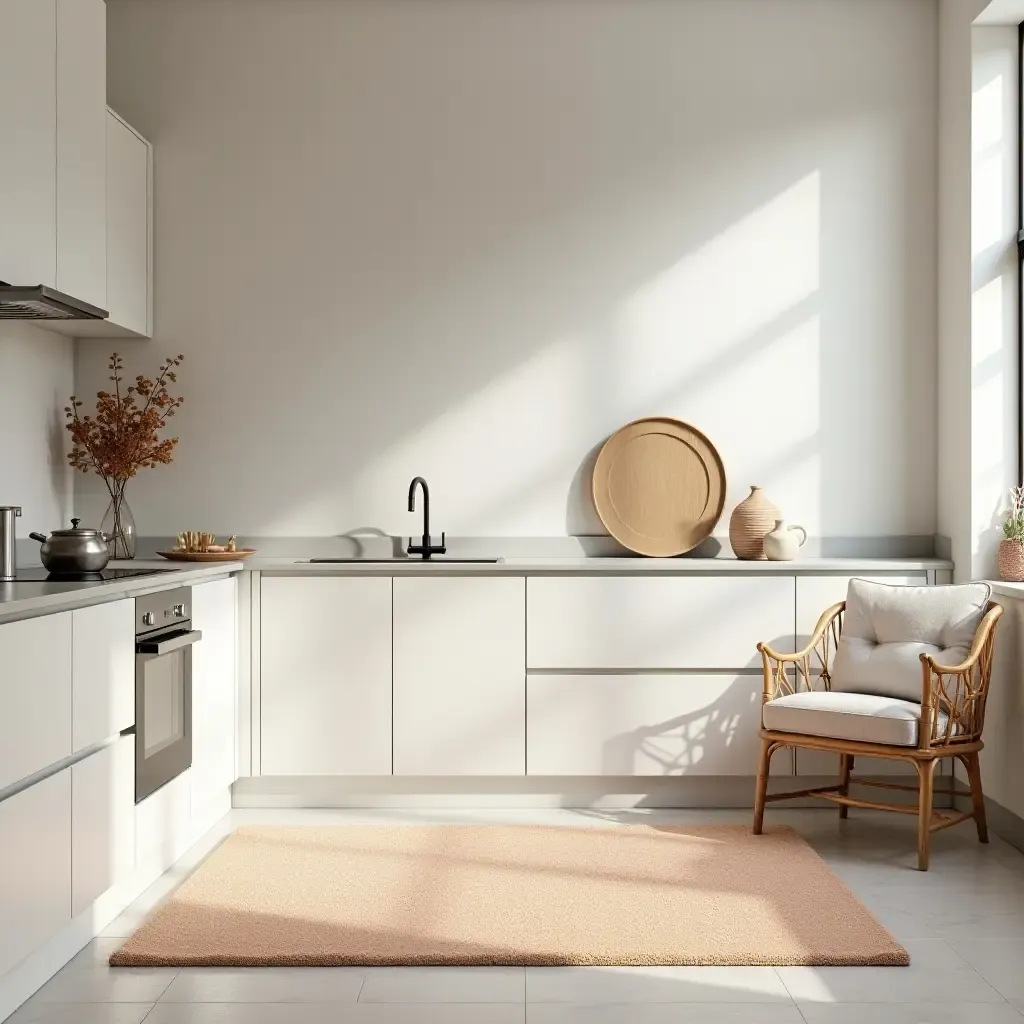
<point>74,551</point>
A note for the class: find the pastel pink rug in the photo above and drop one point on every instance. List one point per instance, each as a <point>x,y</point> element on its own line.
<point>519,895</point>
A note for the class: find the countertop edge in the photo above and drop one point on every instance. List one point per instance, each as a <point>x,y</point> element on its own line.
<point>601,566</point>
<point>13,609</point>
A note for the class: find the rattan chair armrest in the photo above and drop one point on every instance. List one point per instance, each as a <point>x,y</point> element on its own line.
<point>819,630</point>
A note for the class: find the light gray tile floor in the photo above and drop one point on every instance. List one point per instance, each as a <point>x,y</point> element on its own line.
<point>963,923</point>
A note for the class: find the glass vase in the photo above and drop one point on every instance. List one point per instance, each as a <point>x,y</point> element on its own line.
<point>119,526</point>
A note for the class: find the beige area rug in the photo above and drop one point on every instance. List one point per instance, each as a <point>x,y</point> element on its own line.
<point>516,895</point>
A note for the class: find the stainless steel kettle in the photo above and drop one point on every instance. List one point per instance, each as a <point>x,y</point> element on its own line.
<point>74,551</point>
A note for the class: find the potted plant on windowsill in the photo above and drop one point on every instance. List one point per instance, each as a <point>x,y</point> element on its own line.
<point>1011,547</point>
<point>121,438</point>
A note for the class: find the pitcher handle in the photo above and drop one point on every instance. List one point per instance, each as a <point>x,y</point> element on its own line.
<point>803,533</point>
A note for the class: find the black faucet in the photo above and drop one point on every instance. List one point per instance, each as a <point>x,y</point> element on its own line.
<point>426,549</point>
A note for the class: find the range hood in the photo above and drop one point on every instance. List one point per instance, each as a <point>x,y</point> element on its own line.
<point>40,302</point>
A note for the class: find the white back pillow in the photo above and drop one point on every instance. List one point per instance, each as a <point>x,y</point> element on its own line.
<point>886,629</point>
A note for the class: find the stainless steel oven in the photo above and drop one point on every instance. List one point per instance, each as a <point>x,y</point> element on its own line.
<point>163,688</point>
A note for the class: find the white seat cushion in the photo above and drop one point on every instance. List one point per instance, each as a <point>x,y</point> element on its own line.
<point>862,717</point>
<point>887,628</point>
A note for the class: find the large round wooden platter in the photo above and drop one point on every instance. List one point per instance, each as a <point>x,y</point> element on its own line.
<point>659,486</point>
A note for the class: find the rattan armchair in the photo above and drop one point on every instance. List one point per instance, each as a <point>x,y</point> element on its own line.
<point>952,718</point>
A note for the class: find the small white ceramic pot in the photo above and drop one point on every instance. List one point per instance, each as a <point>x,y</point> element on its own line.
<point>784,541</point>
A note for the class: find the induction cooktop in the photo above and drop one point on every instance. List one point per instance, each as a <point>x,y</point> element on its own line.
<point>37,574</point>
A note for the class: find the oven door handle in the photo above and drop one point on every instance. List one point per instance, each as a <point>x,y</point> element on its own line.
<point>173,643</point>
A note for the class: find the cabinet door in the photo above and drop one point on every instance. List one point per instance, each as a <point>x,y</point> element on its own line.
<point>651,724</point>
<point>82,149</point>
<point>214,675</point>
<point>325,675</point>
<point>35,694</point>
<point>102,821</point>
<point>104,671</point>
<point>128,227</point>
<point>163,824</point>
<point>35,865</point>
<point>28,100</point>
<point>460,676</point>
<point>656,622</point>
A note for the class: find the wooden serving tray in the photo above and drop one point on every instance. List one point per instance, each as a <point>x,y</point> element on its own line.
<point>659,486</point>
<point>208,556</point>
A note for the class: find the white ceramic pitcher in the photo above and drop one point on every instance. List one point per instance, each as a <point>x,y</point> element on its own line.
<point>782,544</point>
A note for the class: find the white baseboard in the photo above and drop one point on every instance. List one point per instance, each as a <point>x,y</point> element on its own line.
<point>706,792</point>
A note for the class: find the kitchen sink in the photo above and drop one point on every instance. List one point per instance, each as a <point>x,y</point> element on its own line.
<point>401,560</point>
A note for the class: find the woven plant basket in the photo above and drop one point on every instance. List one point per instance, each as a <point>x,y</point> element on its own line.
<point>1011,561</point>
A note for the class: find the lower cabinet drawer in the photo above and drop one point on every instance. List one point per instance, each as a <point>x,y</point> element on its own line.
<point>35,867</point>
<point>644,724</point>
<point>102,821</point>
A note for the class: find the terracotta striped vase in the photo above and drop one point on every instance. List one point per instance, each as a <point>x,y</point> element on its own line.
<point>751,520</point>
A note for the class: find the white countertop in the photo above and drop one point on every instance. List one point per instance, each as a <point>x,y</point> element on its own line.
<point>22,600</point>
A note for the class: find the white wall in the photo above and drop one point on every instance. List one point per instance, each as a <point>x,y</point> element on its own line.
<point>36,380</point>
<point>995,396</point>
<point>978,215</point>
<point>1002,760</point>
<point>469,240</point>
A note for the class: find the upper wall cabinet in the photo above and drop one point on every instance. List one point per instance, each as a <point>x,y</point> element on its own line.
<point>129,228</point>
<point>82,150</point>
<point>52,111</point>
<point>28,105</point>
<point>129,238</point>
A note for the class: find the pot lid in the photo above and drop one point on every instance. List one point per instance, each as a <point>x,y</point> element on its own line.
<point>77,531</point>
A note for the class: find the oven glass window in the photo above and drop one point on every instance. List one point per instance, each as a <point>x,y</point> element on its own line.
<point>164,701</point>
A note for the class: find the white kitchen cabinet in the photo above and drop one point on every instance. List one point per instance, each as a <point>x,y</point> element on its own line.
<point>35,867</point>
<point>52,110</point>
<point>459,676</point>
<point>650,724</point>
<point>103,673</point>
<point>129,229</point>
<point>102,821</point>
<point>214,682</point>
<point>163,829</point>
<point>593,622</point>
<point>35,693</point>
<point>325,675</point>
<point>82,150</point>
<point>813,595</point>
<point>28,104</point>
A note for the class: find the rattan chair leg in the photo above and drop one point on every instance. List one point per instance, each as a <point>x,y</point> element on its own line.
<point>973,765</point>
<point>926,776</point>
<point>845,768</point>
<point>763,766</point>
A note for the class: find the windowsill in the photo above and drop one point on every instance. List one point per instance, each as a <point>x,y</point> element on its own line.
<point>1007,589</point>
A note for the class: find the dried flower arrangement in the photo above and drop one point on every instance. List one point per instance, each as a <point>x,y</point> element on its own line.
<point>123,437</point>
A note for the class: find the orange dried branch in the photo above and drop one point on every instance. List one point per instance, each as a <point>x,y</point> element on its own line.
<point>123,435</point>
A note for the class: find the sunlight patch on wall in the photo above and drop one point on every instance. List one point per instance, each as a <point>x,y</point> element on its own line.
<point>988,162</point>
<point>723,294</point>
